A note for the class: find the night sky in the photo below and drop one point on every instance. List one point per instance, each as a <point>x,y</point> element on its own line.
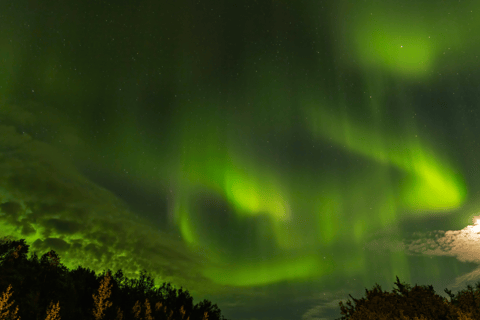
<point>272,156</point>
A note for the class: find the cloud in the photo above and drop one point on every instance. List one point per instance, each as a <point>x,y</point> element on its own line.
<point>461,282</point>
<point>322,311</point>
<point>45,199</point>
<point>325,305</point>
<point>462,244</point>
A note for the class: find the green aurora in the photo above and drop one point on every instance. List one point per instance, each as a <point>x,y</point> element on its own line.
<point>251,153</point>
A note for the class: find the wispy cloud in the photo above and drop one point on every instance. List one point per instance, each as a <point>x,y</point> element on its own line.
<point>324,305</point>
<point>462,244</point>
<point>322,310</point>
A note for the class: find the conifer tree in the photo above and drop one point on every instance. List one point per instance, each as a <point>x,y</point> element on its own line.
<point>101,302</point>
<point>5,312</point>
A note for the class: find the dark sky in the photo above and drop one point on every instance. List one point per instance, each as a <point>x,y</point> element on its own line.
<point>270,156</point>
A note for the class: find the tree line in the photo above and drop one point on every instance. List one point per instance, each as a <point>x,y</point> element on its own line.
<point>417,303</point>
<point>38,289</point>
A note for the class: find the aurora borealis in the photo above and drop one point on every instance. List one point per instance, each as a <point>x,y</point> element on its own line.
<point>270,156</point>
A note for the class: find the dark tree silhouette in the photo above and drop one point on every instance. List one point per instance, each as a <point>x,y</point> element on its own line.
<point>467,300</point>
<point>417,303</point>
<point>45,289</point>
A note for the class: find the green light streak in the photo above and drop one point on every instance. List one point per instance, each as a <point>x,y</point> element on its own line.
<point>252,195</point>
<point>271,271</point>
<point>432,184</point>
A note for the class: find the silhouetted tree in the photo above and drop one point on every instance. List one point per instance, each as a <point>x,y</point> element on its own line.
<point>86,283</point>
<point>213,311</point>
<point>13,268</point>
<point>467,300</point>
<point>403,303</point>
<point>45,289</point>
